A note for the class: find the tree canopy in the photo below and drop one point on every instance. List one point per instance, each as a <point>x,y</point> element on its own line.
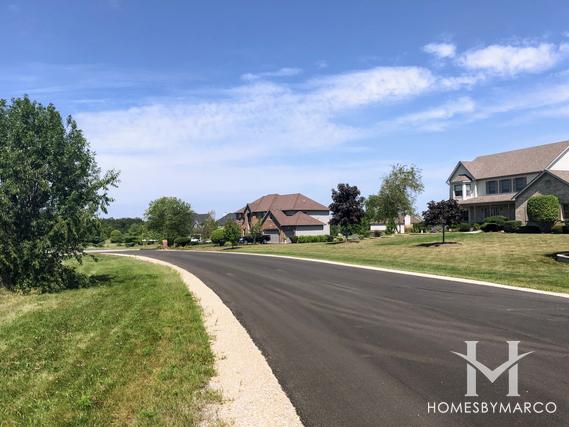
<point>397,195</point>
<point>231,232</point>
<point>443,213</point>
<point>51,191</point>
<point>347,207</point>
<point>169,218</point>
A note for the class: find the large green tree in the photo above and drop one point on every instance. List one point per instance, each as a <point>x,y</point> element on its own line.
<point>396,197</point>
<point>169,218</point>
<point>51,190</point>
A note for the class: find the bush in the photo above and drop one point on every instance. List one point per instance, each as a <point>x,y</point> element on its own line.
<point>490,227</point>
<point>129,238</point>
<point>566,229</point>
<point>377,233</point>
<point>529,229</point>
<point>311,239</point>
<point>557,229</point>
<point>464,227</point>
<point>512,226</point>
<point>182,241</point>
<point>116,236</point>
<point>496,219</point>
<point>543,210</point>
<point>476,226</point>
<point>218,237</point>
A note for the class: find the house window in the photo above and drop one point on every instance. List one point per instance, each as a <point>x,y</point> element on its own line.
<point>468,190</point>
<point>505,186</point>
<point>520,183</point>
<point>566,211</point>
<point>457,190</point>
<point>491,187</point>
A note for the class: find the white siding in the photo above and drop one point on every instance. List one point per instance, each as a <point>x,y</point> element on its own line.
<point>562,164</point>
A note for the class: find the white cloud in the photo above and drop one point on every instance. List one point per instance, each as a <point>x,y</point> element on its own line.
<point>440,50</point>
<point>283,72</point>
<point>433,117</point>
<point>512,60</point>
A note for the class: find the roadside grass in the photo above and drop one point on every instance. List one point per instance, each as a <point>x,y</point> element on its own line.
<point>524,260</point>
<point>130,351</point>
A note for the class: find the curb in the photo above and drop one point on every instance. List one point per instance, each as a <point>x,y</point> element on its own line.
<point>389,270</point>
<point>251,393</point>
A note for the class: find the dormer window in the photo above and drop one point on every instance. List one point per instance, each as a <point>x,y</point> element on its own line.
<point>457,190</point>
<point>468,189</point>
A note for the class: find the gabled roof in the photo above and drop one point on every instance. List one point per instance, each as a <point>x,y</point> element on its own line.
<point>299,218</point>
<point>224,219</point>
<point>286,202</point>
<point>561,175</point>
<point>516,162</point>
<point>200,218</point>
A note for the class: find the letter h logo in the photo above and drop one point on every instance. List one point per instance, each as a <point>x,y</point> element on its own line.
<point>511,365</point>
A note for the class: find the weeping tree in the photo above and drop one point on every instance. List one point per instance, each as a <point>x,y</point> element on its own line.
<point>51,191</point>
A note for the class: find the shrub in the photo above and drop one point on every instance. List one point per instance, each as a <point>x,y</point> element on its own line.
<point>512,226</point>
<point>311,239</point>
<point>476,226</point>
<point>557,229</point>
<point>496,219</point>
<point>565,229</point>
<point>182,241</point>
<point>129,238</point>
<point>491,227</point>
<point>464,227</point>
<point>218,237</point>
<point>377,233</point>
<point>529,229</point>
<point>116,236</point>
<point>543,210</point>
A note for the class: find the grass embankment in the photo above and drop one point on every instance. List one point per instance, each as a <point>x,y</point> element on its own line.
<point>524,260</point>
<point>131,350</point>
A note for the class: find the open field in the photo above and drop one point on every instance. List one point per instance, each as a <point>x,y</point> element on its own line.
<point>131,350</point>
<point>516,259</point>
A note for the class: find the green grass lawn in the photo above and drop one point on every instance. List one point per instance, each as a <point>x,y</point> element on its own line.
<point>516,259</point>
<point>131,350</point>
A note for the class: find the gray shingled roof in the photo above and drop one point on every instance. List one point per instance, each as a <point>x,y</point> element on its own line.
<point>517,162</point>
<point>286,202</point>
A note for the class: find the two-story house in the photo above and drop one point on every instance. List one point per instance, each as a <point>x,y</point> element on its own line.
<point>501,184</point>
<point>283,216</point>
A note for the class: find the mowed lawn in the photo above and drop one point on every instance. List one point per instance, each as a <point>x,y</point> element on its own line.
<point>516,259</point>
<point>130,350</point>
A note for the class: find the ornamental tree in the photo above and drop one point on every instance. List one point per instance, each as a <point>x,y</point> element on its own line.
<point>51,191</point>
<point>231,232</point>
<point>347,207</point>
<point>442,213</point>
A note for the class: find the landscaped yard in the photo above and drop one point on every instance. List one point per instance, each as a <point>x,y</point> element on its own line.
<point>130,350</point>
<point>516,259</point>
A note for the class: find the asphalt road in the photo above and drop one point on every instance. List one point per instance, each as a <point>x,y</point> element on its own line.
<point>354,347</point>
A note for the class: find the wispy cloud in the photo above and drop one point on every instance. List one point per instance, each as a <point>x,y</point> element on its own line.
<point>283,72</point>
<point>512,60</point>
<point>440,50</point>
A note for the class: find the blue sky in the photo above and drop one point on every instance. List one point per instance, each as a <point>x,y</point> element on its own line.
<point>220,102</point>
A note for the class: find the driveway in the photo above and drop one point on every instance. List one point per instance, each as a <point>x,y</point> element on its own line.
<point>355,347</point>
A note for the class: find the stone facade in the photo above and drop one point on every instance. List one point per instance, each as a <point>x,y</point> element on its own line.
<point>546,184</point>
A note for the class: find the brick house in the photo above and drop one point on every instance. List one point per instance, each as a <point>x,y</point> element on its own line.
<point>283,216</point>
<point>501,184</point>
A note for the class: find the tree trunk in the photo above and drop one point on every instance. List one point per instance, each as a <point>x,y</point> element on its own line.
<point>444,226</point>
